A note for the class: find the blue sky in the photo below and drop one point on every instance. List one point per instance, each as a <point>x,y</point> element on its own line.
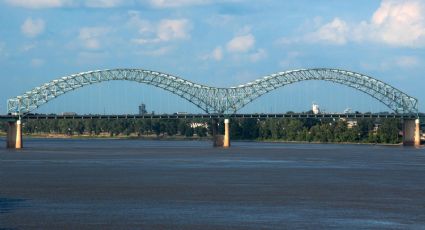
<point>219,43</point>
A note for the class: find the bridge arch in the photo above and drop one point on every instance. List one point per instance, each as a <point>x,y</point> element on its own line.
<point>212,99</point>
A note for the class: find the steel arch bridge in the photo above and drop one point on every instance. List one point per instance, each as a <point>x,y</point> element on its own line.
<point>213,99</point>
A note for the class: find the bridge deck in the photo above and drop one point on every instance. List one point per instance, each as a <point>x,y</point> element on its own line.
<point>208,116</point>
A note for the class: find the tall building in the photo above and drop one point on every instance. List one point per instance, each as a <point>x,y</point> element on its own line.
<point>315,108</point>
<point>142,109</point>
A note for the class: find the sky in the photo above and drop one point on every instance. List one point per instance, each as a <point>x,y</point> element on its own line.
<point>219,43</point>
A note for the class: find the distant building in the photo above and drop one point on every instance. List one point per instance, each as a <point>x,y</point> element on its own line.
<point>315,108</point>
<point>199,124</point>
<point>69,114</point>
<point>142,109</point>
<point>351,124</point>
<point>348,110</point>
<point>376,128</point>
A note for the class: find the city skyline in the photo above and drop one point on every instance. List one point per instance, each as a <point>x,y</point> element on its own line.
<point>218,43</point>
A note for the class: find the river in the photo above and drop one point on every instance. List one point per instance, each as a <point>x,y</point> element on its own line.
<point>133,184</point>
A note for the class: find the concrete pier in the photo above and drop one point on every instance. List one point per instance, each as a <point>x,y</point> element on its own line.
<point>417,133</point>
<point>217,139</point>
<point>14,135</point>
<point>226,141</point>
<point>411,132</point>
<point>221,140</point>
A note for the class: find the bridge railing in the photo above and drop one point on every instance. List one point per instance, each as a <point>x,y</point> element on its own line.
<point>211,116</point>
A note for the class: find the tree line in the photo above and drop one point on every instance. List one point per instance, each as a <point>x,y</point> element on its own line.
<point>367,130</point>
<point>274,129</point>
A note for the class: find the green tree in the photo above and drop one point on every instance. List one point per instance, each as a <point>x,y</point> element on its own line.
<point>201,131</point>
<point>292,129</point>
<point>340,131</point>
<point>249,129</point>
<point>236,129</point>
<point>189,132</point>
<point>389,131</point>
<point>156,127</point>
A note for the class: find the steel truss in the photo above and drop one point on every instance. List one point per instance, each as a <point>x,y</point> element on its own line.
<point>212,99</point>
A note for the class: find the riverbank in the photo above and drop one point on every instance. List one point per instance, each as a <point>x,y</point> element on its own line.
<point>184,138</point>
<point>107,136</point>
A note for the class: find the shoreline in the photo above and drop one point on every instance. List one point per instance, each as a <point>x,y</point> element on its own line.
<point>183,138</point>
<point>119,137</point>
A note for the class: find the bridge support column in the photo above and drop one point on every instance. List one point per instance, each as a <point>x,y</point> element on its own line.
<point>417,132</point>
<point>217,139</point>
<point>221,140</point>
<point>411,132</point>
<point>226,142</point>
<point>14,135</point>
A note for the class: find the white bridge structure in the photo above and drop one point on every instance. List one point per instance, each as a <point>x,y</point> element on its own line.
<point>214,100</point>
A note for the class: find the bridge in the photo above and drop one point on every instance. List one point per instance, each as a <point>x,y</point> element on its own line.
<point>210,116</point>
<point>215,102</point>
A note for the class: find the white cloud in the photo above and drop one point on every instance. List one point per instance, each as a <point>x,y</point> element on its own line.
<point>395,23</point>
<point>241,48</point>
<point>184,3</point>
<point>92,57</point>
<point>241,43</point>
<point>173,29</point>
<point>257,56</point>
<point>176,3</point>
<point>157,52</point>
<point>291,60</point>
<point>36,62</point>
<point>91,37</point>
<point>163,31</point>
<point>38,4</point>
<point>407,61</point>
<point>400,23</point>
<point>142,41</point>
<point>32,28</point>
<point>216,54</point>
<point>103,3</point>
<point>334,32</point>
<point>389,63</point>
<point>28,47</point>
<point>160,4</point>
<point>142,26</point>
<point>244,30</point>
<point>220,20</point>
